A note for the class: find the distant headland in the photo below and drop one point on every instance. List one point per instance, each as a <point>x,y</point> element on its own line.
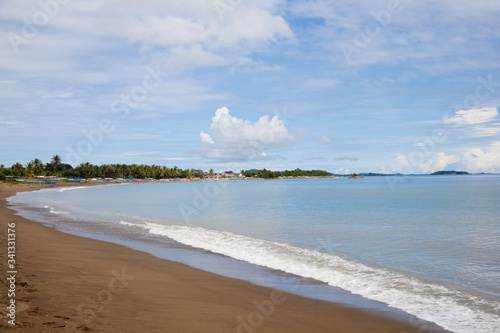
<point>453,172</point>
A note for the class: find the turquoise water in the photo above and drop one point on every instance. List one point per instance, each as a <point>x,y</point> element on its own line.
<point>428,245</point>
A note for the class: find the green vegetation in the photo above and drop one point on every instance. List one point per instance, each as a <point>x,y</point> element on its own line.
<point>56,168</point>
<point>267,174</point>
<point>439,173</point>
<point>87,170</point>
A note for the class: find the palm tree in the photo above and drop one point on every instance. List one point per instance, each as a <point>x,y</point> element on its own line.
<point>37,167</point>
<point>55,163</point>
<point>18,168</point>
<point>29,168</point>
<point>86,170</point>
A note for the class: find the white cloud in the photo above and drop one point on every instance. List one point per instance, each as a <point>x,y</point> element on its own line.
<point>473,122</point>
<point>476,122</point>
<point>473,160</point>
<point>324,140</point>
<point>483,160</point>
<point>237,139</point>
<point>205,138</point>
<point>198,22</point>
<point>437,162</point>
<point>193,56</point>
<point>166,31</point>
<point>342,171</point>
<point>182,32</point>
<point>493,129</point>
<point>473,116</point>
<point>8,122</point>
<point>418,162</point>
<point>194,34</point>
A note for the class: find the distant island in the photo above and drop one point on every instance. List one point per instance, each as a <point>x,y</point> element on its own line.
<point>440,173</point>
<point>268,174</point>
<point>355,176</point>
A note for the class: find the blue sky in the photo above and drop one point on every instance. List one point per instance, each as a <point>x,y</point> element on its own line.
<point>344,86</point>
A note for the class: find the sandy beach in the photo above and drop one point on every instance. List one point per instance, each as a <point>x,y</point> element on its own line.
<point>66,283</point>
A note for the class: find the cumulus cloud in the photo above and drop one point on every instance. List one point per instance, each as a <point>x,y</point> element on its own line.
<point>205,138</point>
<point>483,160</point>
<point>417,162</point>
<point>342,171</point>
<point>474,122</point>
<point>237,139</point>
<point>474,160</point>
<point>324,140</point>
<point>474,116</point>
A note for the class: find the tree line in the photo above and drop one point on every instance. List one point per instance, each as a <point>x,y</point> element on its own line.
<point>268,174</point>
<point>57,168</point>
<point>87,170</point>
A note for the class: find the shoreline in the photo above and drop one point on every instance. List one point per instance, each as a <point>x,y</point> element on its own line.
<point>66,282</point>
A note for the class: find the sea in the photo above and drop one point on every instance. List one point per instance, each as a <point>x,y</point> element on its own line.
<point>420,248</point>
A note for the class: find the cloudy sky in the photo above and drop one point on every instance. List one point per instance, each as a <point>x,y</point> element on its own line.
<point>344,86</point>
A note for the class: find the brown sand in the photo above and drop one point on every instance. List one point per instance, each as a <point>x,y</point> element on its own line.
<point>67,283</point>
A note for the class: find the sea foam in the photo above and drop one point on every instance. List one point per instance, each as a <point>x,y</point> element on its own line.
<point>52,210</point>
<point>452,309</point>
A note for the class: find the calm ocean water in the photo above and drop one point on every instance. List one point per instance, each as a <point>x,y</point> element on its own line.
<point>428,245</point>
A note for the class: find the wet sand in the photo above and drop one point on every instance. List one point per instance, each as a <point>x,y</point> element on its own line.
<point>66,283</point>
